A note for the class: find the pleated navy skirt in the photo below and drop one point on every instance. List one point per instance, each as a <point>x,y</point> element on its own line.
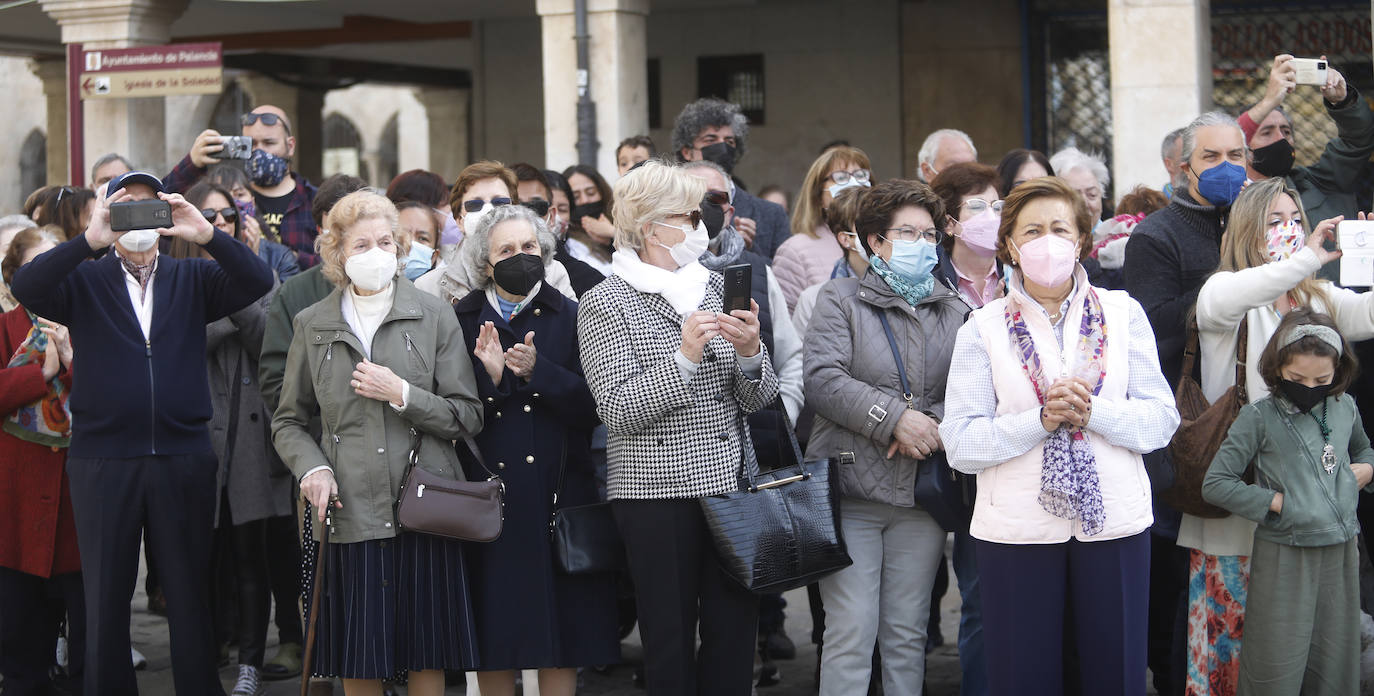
<point>391,606</point>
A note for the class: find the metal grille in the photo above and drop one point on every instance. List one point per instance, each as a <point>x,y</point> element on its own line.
<point>1078,99</point>
<point>1247,36</point>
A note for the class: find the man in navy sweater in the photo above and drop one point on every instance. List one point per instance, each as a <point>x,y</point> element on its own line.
<point>140,451</point>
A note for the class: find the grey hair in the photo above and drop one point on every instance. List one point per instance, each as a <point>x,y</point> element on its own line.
<point>476,247</point>
<point>1173,137</point>
<point>16,222</point>
<point>1211,118</point>
<point>708,164</point>
<point>108,158</point>
<point>709,112</point>
<point>1071,158</point>
<point>931,146</point>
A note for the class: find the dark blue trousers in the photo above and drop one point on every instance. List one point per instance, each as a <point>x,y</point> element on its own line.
<point>1026,589</point>
<point>113,501</point>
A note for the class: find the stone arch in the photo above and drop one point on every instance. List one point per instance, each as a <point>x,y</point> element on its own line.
<point>343,148</point>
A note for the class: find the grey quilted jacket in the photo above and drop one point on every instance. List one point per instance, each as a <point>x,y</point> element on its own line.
<point>852,380</point>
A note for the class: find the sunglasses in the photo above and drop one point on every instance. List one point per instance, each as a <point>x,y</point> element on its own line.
<point>694,218</point>
<point>230,214</point>
<point>538,205</point>
<point>714,197</point>
<point>477,204</point>
<point>268,119</point>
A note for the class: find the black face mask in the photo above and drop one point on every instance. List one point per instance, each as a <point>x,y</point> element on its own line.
<point>518,274</point>
<point>713,216</point>
<point>1304,397</point>
<point>592,210</point>
<point>1274,159</point>
<point>722,154</point>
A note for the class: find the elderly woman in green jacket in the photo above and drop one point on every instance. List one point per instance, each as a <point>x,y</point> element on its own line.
<point>378,360</point>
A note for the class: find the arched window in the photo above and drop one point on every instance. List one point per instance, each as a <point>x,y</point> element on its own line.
<point>388,150</point>
<point>343,148</point>
<point>33,163</point>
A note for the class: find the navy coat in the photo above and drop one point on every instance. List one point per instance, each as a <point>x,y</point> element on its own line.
<point>528,614</point>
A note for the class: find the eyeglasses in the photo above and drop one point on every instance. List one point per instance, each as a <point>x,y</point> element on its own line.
<point>477,204</point>
<point>694,217</point>
<point>842,177</point>
<point>717,198</point>
<point>268,119</point>
<point>230,214</point>
<point>911,234</point>
<point>538,205</point>
<point>978,205</point>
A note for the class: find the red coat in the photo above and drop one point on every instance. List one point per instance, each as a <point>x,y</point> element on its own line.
<point>37,532</point>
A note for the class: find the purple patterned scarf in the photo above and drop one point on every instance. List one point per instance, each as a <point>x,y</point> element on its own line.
<point>1069,486</point>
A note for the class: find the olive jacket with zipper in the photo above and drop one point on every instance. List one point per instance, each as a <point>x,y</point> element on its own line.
<point>366,442</point>
<point>1284,445</point>
<point>854,386</point>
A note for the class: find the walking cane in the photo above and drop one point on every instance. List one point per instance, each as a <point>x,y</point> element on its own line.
<point>307,666</point>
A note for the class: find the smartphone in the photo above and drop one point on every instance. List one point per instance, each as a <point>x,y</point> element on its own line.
<point>1355,239</point>
<point>239,147</point>
<point>1310,71</point>
<point>140,215</point>
<point>739,286</point>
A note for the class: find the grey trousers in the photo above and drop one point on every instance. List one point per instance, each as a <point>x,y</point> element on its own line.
<point>1302,621</point>
<point>883,597</point>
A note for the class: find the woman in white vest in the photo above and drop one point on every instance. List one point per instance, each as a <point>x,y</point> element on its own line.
<point>1053,394</point>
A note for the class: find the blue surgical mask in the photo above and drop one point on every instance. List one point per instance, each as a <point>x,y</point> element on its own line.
<point>1221,184</point>
<point>913,260</point>
<point>419,262</point>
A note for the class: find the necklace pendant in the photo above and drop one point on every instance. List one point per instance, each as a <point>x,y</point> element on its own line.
<point>1329,459</point>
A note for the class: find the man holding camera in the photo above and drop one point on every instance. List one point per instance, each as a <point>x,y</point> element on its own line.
<point>140,450</point>
<point>282,197</point>
<point>1328,186</point>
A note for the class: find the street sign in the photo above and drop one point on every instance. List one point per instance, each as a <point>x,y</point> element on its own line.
<point>151,71</point>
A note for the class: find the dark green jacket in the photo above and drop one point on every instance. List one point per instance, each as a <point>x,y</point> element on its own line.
<point>299,292</point>
<point>1285,446</point>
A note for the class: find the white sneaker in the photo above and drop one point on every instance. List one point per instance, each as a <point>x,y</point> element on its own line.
<point>140,662</point>
<point>249,683</point>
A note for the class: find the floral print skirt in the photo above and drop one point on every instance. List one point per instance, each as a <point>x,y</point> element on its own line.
<point>1216,614</point>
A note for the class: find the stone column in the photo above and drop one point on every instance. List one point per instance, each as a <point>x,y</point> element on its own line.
<point>619,77</point>
<point>1161,61</point>
<point>447,111</point>
<point>305,108</point>
<point>135,128</point>
<point>53,73</point>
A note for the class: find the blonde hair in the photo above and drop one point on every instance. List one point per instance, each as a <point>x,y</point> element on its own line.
<point>652,191</point>
<point>349,211</point>
<point>1246,244</point>
<point>808,214</point>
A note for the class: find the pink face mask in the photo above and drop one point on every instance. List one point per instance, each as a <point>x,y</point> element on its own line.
<point>1048,260</point>
<point>1285,239</point>
<point>980,233</point>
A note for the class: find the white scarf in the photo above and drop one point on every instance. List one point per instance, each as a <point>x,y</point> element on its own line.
<point>364,313</point>
<point>683,289</point>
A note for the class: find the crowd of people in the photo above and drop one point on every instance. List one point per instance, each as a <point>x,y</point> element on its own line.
<point>239,396</point>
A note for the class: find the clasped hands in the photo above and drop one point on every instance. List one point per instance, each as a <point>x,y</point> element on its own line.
<point>1069,400</point>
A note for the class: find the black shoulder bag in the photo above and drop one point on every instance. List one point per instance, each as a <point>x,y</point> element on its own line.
<point>585,537</point>
<point>944,493</point>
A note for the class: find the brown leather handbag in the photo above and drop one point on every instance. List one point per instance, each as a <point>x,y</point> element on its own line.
<point>462,510</point>
<point>1202,428</point>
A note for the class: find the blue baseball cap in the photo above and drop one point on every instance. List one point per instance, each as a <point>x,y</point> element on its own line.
<point>127,178</point>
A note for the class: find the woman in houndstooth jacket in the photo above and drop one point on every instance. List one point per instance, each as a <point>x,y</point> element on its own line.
<point>673,377</point>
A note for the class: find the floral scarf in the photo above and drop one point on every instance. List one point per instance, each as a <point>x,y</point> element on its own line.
<point>1069,486</point>
<point>911,292</point>
<point>47,421</point>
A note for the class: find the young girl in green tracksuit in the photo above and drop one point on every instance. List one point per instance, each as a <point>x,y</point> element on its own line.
<point>1310,456</point>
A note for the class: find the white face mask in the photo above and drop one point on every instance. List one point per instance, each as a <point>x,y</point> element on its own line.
<point>858,248</point>
<point>470,220</point>
<point>371,270</point>
<point>692,246</point>
<point>139,240</point>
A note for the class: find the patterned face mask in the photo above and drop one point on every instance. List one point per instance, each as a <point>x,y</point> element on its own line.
<point>1285,239</point>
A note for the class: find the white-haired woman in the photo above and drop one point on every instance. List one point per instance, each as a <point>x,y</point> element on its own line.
<point>522,334</point>
<point>378,339</point>
<point>673,377</point>
<point>1087,174</point>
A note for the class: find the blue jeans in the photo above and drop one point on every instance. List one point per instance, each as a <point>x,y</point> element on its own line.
<point>972,661</point>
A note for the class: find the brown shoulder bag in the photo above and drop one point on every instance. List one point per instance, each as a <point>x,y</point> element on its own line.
<point>462,510</point>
